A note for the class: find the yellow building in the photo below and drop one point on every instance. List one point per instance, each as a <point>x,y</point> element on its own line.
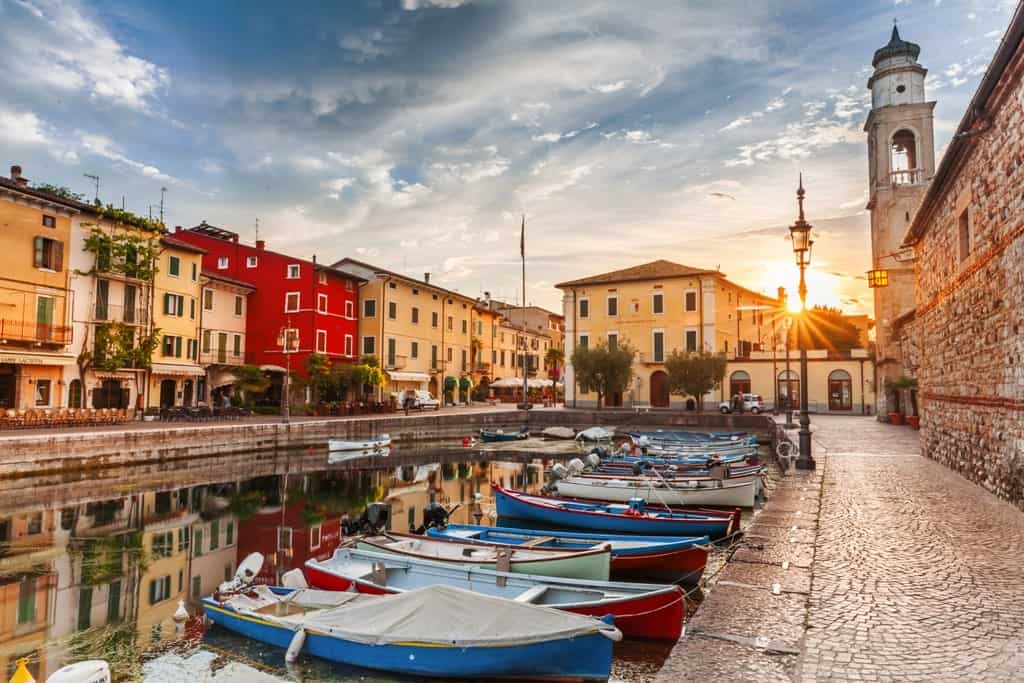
<point>659,307</point>
<point>35,329</point>
<point>422,333</point>
<point>176,377</point>
<point>166,537</point>
<point>222,330</point>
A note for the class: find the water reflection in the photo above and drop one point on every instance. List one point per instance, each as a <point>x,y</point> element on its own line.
<point>94,565</point>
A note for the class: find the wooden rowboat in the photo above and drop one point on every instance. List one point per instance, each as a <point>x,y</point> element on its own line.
<point>704,492</point>
<point>499,436</point>
<point>368,444</point>
<point>640,610</point>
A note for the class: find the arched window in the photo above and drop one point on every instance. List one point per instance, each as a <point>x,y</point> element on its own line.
<point>788,389</point>
<point>75,394</point>
<point>840,390</point>
<point>903,158</point>
<point>739,383</point>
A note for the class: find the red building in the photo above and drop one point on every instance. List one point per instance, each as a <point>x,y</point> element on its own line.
<point>317,304</point>
<point>286,541</point>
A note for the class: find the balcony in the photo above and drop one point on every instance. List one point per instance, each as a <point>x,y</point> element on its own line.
<point>482,367</point>
<point>913,176</point>
<point>394,362</point>
<point>117,313</point>
<point>34,332</point>
<point>215,356</point>
<point>648,358</point>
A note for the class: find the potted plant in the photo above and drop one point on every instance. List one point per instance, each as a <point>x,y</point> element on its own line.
<point>897,387</point>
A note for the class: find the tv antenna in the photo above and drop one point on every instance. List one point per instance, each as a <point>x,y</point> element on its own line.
<point>163,191</point>
<point>96,180</point>
<point>257,229</point>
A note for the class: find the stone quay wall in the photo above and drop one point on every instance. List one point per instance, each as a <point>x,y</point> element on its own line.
<point>968,330</point>
<point>34,454</point>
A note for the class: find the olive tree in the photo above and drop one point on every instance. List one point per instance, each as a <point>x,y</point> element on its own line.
<point>695,373</point>
<point>603,370</point>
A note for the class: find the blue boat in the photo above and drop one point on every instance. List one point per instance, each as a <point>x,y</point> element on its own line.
<point>498,436</point>
<point>619,518</point>
<point>437,631</point>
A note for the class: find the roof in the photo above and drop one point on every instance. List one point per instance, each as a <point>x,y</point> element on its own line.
<point>210,275</point>
<point>48,196</point>
<point>896,47</point>
<point>975,120</point>
<point>390,273</point>
<point>179,244</point>
<point>654,270</point>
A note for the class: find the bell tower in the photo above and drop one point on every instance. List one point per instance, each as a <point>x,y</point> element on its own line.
<point>901,163</point>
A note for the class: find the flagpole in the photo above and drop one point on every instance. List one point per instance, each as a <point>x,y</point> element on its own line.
<point>522,254</point>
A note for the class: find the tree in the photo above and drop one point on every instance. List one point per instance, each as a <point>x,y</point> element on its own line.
<point>695,373</point>
<point>604,370</point>
<point>554,359</point>
<point>249,379</point>
<point>450,384</point>
<point>827,328</point>
<point>318,368</point>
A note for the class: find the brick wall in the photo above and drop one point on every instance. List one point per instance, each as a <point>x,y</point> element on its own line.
<point>968,331</point>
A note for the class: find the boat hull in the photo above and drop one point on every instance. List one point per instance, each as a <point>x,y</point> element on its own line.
<point>731,494</point>
<point>587,657</point>
<point>337,445</point>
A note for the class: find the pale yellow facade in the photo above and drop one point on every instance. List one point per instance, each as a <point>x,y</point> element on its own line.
<point>166,537</point>
<point>223,307</point>
<point>175,370</point>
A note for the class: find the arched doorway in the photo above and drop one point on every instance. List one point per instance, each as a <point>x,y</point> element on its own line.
<point>75,393</point>
<point>739,383</point>
<point>109,394</point>
<point>659,389</point>
<point>789,389</point>
<point>167,390</point>
<point>840,390</point>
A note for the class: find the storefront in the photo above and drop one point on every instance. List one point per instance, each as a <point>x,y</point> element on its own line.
<point>401,381</point>
<point>32,380</point>
<point>176,385</point>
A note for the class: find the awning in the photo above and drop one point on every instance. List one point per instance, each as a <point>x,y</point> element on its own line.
<point>273,368</point>
<point>181,370</point>
<point>517,383</point>
<point>396,376</point>
<point>118,374</point>
<point>221,378</point>
<point>31,358</point>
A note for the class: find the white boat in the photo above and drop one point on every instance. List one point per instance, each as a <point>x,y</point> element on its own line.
<point>595,434</point>
<point>334,457</point>
<point>373,443</point>
<point>558,433</point>
<point>706,492</point>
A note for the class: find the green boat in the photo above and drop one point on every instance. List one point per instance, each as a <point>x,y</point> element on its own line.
<point>592,564</point>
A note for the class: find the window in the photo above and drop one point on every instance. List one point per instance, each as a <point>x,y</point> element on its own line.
<point>465,327</point>
<point>206,341</point>
<point>239,306</point>
<point>494,357</point>
<point>433,356</point>
<point>35,524</point>
<point>415,315</point>
<point>173,266</point>
<point>163,544</point>
<point>293,271</point>
<point>42,392</point>
<point>449,354</point>
<point>659,346</point>
<point>193,349</point>
<point>464,366</point>
<point>27,600</point>
<point>348,344</point>
<point>314,536</point>
<point>284,538</point>
<point>964,229</point>
<point>392,310</point>
<point>370,308</point>
<point>174,304</point>
<point>159,589</point>
<point>348,286</point>
<point>584,341</point>
<point>451,323</point>
<point>691,301</point>
<point>49,221</point>
<point>229,533</point>
<point>691,341</point>
<point>195,272</point>
<point>658,303</point>
<point>433,319</point>
<point>480,328</point>
<point>222,263</point>
<point>172,346</point>
<point>291,302</point>
<point>191,308</point>
<point>350,310</point>
<point>207,299</point>
<point>613,305</point>
<point>414,350</point>
<point>321,303</point>
<point>251,261</point>
<point>369,346</point>
<point>237,350</point>
<point>183,538</point>
<point>903,159</point>
<point>321,341</point>
<point>48,254</point>
<point>502,358</point>
<point>197,543</point>
<point>584,308</point>
<point>214,535</point>
<point>321,278</point>
<point>613,341</point>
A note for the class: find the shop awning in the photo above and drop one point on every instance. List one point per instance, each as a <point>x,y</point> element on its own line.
<point>273,368</point>
<point>517,383</point>
<point>32,358</point>
<point>221,378</point>
<point>396,376</point>
<point>177,370</point>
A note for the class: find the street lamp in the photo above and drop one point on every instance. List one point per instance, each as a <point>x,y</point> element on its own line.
<point>287,341</point>
<point>800,233</point>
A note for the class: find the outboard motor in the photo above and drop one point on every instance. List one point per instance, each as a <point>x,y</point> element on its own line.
<point>435,516</point>
<point>636,505</point>
<point>643,441</point>
<point>593,460</point>
<point>575,466</point>
<point>375,519</point>
<point>559,471</point>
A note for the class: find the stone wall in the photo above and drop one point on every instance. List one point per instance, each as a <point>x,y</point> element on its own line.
<point>968,330</point>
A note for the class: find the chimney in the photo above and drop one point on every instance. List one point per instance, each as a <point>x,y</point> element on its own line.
<point>487,299</point>
<point>426,278</point>
<point>177,228</point>
<point>16,176</point>
<point>260,245</point>
<point>782,294</point>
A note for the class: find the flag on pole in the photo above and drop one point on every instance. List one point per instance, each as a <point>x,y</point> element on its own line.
<point>522,239</point>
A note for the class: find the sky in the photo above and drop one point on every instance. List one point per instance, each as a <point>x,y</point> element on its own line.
<point>415,134</point>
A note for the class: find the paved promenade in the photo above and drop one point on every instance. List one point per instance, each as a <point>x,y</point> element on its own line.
<point>895,569</point>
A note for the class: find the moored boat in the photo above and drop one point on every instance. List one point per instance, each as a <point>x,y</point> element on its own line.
<point>368,444</point>
<point>558,433</point>
<point>672,558</point>
<point>437,631</point>
<point>704,492</point>
<point>640,610</point>
<point>591,563</point>
<point>613,517</point>
<point>498,435</point>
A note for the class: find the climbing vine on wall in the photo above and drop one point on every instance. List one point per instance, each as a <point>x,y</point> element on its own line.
<point>128,253</point>
<point>116,347</point>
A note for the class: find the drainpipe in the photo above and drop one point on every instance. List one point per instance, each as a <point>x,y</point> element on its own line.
<point>575,338</point>
<point>862,411</point>
<point>383,312</point>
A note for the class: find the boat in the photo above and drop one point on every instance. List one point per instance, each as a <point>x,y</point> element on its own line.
<point>435,631</point>
<point>634,518</point>
<point>499,435</point>
<point>641,610</point>
<point>372,443</point>
<point>334,457</point>
<point>672,558</point>
<point>592,563</point>
<point>704,492</point>
<point>672,474</point>
<point>595,434</point>
<point>558,433</point>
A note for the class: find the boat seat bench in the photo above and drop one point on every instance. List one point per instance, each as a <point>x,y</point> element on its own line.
<point>537,541</point>
<point>532,594</point>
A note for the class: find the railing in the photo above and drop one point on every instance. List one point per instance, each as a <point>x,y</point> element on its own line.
<point>221,356</point>
<point>913,176</point>
<point>40,333</point>
<point>394,362</point>
<point>482,367</point>
<point>118,313</point>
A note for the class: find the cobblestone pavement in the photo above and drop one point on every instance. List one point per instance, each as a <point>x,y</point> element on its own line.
<point>888,567</point>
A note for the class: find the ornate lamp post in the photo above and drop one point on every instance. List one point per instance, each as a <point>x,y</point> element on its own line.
<point>800,233</point>
<point>287,342</point>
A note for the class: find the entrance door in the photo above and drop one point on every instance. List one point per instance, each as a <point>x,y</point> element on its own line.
<point>187,400</point>
<point>739,383</point>
<point>659,389</point>
<point>613,400</point>
<point>8,385</point>
<point>109,395</point>
<point>789,390</point>
<point>167,389</point>
<point>840,391</point>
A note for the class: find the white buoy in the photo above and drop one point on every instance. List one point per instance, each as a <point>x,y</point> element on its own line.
<point>295,647</point>
<point>180,614</point>
<point>294,578</point>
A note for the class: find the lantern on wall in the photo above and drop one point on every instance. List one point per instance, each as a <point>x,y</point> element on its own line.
<point>878,278</point>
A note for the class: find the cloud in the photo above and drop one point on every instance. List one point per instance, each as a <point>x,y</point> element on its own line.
<point>774,104</point>
<point>568,135</point>
<point>22,128</point>
<point>102,146</point>
<point>610,87</point>
<point>210,166</point>
<point>413,5</point>
<point>366,46</point>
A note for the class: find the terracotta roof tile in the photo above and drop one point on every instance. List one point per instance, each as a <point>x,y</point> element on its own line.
<point>645,271</point>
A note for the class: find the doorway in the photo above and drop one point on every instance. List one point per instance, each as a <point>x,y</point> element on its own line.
<point>659,389</point>
<point>739,383</point>
<point>187,393</point>
<point>8,386</point>
<point>840,390</point>
<point>167,390</point>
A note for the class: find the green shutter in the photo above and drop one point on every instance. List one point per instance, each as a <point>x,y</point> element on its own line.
<point>37,252</point>
<point>167,304</point>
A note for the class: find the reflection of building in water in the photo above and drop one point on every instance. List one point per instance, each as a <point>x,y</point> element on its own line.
<point>167,520</point>
<point>214,548</point>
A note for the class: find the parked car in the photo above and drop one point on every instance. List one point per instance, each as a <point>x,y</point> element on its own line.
<point>752,403</point>
<point>421,399</point>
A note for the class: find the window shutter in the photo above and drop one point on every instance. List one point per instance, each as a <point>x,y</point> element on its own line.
<point>181,306</point>
<point>177,347</point>
<point>57,262</point>
<point>167,304</point>
<point>37,252</point>
<point>152,592</point>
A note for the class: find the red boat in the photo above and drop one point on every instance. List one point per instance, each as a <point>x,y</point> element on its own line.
<point>641,610</point>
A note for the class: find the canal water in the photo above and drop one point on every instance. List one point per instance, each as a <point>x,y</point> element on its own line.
<point>94,564</point>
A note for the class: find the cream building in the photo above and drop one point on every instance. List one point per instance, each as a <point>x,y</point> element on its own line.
<point>225,303</point>
<point>166,536</point>
<point>214,555</point>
